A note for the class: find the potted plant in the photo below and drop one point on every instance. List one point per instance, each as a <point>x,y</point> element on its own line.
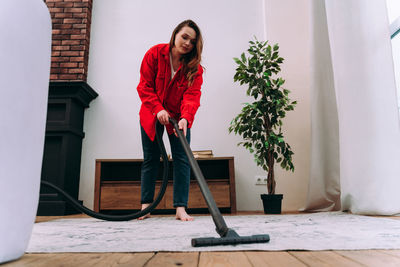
<point>260,122</point>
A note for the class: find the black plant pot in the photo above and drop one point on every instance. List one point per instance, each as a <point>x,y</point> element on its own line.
<point>272,203</point>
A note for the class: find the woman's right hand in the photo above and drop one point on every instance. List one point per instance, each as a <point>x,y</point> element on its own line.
<point>163,117</point>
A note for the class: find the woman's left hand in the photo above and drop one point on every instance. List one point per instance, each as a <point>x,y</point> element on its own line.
<point>182,124</point>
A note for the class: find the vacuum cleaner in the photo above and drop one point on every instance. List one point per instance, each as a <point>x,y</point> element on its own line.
<point>228,236</point>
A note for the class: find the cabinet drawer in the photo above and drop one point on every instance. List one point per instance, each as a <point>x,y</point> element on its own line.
<point>120,197</point>
<point>220,192</point>
<point>127,196</point>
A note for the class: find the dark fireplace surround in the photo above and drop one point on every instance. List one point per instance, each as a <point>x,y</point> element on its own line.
<point>63,144</point>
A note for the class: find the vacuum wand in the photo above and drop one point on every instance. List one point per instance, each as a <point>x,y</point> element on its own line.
<point>228,236</point>
<point>222,229</point>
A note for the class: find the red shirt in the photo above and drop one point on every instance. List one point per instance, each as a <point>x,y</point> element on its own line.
<point>157,91</point>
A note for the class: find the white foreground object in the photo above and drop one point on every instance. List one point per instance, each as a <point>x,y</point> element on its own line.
<point>25,56</point>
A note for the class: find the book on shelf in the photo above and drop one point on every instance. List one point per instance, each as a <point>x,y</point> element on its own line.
<point>199,154</point>
<point>203,154</point>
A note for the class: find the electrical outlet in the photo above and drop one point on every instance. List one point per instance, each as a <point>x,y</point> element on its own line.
<point>261,180</point>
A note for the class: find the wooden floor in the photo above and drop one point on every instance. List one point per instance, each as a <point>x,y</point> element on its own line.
<point>211,259</point>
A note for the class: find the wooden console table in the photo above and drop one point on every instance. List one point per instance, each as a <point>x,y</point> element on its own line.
<point>117,186</point>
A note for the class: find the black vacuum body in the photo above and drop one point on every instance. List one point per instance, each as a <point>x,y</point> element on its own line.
<point>228,236</point>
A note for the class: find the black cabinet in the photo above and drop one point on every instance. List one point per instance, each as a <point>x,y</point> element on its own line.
<point>63,144</point>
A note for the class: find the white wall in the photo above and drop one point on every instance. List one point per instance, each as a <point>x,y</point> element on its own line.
<point>122,31</point>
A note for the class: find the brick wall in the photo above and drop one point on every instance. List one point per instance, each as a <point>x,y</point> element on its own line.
<point>71,36</point>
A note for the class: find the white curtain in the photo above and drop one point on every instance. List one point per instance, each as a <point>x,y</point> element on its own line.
<point>355,121</point>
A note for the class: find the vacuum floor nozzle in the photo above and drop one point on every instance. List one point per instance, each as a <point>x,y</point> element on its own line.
<point>232,238</point>
<point>216,241</point>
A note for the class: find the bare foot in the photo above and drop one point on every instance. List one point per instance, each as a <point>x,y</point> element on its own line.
<point>182,215</point>
<point>146,215</point>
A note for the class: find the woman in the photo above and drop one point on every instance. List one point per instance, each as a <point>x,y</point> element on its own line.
<point>170,82</point>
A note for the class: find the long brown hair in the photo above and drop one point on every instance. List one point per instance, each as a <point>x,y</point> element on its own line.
<point>192,59</point>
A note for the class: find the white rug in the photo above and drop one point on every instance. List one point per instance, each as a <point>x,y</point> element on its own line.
<point>317,231</point>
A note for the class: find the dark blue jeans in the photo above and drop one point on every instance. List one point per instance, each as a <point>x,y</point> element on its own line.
<point>151,162</point>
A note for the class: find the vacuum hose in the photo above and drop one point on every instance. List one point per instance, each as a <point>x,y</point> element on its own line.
<point>126,217</point>
<point>228,236</point>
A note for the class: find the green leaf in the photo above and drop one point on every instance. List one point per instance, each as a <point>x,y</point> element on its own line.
<point>243,58</point>
<point>237,60</point>
<point>268,52</point>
